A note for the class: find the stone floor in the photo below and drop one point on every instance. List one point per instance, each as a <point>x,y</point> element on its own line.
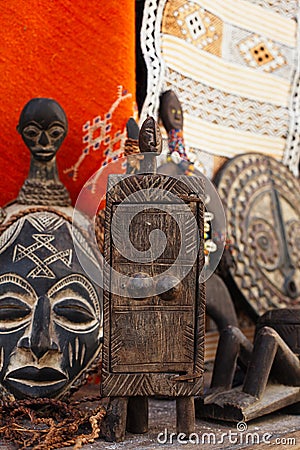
<point>278,430</point>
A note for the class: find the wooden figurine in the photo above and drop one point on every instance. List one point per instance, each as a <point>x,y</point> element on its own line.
<point>274,355</point>
<point>153,301</point>
<point>50,308</point>
<point>172,118</point>
<point>219,304</point>
<point>171,115</point>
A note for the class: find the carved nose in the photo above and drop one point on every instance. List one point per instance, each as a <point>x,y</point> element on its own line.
<point>39,341</point>
<point>43,139</point>
<point>177,115</point>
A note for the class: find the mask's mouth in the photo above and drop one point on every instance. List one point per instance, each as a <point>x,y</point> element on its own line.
<point>44,151</point>
<point>32,376</point>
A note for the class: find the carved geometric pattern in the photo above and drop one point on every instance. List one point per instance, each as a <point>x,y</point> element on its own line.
<point>142,384</point>
<point>262,204</point>
<point>46,222</point>
<point>9,235</point>
<point>41,270</point>
<point>128,374</point>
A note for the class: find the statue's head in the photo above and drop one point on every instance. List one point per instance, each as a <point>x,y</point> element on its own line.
<point>50,310</point>
<point>171,111</point>
<point>150,140</point>
<point>43,126</point>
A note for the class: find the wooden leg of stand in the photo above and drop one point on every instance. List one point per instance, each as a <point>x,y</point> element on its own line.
<point>137,415</point>
<point>113,426</point>
<point>185,410</point>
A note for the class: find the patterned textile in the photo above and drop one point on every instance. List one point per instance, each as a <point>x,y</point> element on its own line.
<point>234,66</point>
<point>82,55</point>
<point>176,143</point>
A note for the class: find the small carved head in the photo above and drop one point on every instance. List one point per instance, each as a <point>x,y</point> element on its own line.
<point>43,126</point>
<point>150,140</point>
<point>171,111</point>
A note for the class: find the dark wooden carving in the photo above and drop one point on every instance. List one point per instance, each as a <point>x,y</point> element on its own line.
<point>43,126</point>
<point>272,379</point>
<point>219,305</point>
<point>154,317</point>
<point>50,309</point>
<point>170,111</point>
<point>262,204</point>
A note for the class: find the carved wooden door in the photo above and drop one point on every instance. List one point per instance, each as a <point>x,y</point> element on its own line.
<point>153,301</point>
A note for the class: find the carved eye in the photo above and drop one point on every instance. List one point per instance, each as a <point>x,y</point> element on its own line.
<point>13,309</point>
<point>56,132</point>
<point>263,242</point>
<point>31,132</point>
<point>74,311</point>
<point>173,110</point>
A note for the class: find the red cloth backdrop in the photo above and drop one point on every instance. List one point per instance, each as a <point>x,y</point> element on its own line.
<point>81,54</point>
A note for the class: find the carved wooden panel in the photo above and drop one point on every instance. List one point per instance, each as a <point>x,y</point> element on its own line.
<point>262,204</point>
<point>153,301</point>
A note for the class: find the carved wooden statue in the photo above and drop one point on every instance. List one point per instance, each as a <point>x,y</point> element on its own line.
<point>274,356</point>
<point>153,302</point>
<point>50,309</point>
<point>218,301</point>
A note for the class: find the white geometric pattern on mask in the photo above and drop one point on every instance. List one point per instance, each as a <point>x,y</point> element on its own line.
<point>41,270</point>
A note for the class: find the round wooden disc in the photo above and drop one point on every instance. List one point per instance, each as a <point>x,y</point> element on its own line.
<point>261,198</point>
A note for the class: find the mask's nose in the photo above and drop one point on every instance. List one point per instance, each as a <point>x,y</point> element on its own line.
<point>44,141</point>
<point>39,341</point>
<point>177,114</point>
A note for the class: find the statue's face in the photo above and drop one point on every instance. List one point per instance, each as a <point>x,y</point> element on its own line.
<point>171,111</point>
<point>43,127</point>
<point>150,140</point>
<point>50,312</point>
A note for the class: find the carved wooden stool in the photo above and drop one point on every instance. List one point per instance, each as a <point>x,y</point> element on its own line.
<point>272,379</point>
<point>154,305</point>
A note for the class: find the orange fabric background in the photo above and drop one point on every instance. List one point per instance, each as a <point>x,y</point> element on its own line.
<point>77,52</point>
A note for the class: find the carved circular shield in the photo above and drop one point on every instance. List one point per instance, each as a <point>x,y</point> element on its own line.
<point>262,205</point>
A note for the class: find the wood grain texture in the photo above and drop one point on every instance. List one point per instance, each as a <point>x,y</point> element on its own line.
<point>155,345</point>
<point>235,405</point>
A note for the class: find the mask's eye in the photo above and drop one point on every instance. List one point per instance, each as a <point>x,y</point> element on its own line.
<point>73,310</point>
<point>56,132</point>
<point>173,110</point>
<point>13,309</point>
<point>31,132</point>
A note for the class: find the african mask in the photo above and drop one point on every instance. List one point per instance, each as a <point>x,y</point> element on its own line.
<point>50,310</point>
